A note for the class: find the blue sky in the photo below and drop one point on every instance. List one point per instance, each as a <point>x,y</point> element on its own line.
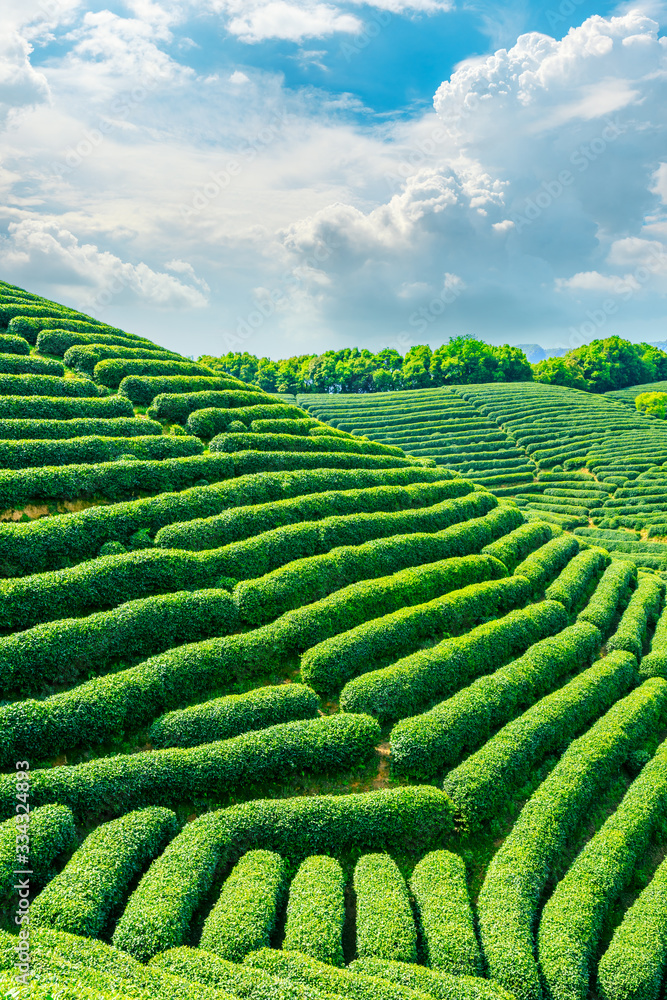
<point>285,176</point>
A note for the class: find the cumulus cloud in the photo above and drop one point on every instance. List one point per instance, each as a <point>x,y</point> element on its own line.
<point>21,86</point>
<point>37,246</point>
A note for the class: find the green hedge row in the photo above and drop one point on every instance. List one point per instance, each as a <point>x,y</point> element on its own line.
<point>176,407</point>
<point>545,563</point>
<point>574,917</point>
<point>639,617</point>
<point>84,357</point>
<point>70,967</point>
<point>63,407</point>
<point>427,744</point>
<point>59,341</point>
<point>608,534</point>
<point>483,784</point>
<point>511,894</point>
<point>112,371</point>
<point>92,450</point>
<point>610,596</point>
<point>306,578</point>
<point>429,981</point>
<point>248,462</point>
<point>212,420</point>
<point>226,512</point>
<point>410,685</point>
<point>654,664</point>
<point>385,927</point>
<point>438,884</point>
<point>657,530</point>
<point>325,745</point>
<point>94,882</point>
<point>62,651</point>
<point>256,518</point>
<point>14,345</point>
<point>112,480</point>
<point>578,579</point>
<point>326,980</point>
<point>143,390</point>
<point>14,364</point>
<point>293,442</point>
<point>633,966</point>
<point>46,385</point>
<point>52,430</point>
<point>316,910</point>
<point>302,427</point>
<point>234,714</point>
<point>244,915</point>
<point>158,915</point>
<point>329,665</point>
<point>31,309</point>
<point>47,836</point>
<point>517,545</point>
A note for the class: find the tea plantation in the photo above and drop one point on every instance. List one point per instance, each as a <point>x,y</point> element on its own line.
<point>324,697</point>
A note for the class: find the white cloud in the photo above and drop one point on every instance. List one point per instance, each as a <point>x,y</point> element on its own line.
<point>259,20</point>
<point>21,86</point>
<point>237,77</point>
<point>95,276</point>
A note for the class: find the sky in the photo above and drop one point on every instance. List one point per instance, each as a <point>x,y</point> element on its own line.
<point>291,176</point>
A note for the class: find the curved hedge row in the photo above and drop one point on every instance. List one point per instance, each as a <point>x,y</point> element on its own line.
<point>235,509</point>
<point>299,581</point>
<point>116,427</point>
<point>176,407</point>
<point>63,407</point>
<point>428,981</point>
<point>316,911</point>
<point>84,357</point>
<point>112,371</point>
<point>610,596</point>
<point>212,420</point>
<point>543,565</point>
<point>14,345</point>
<point>61,651</point>
<point>307,425</point>
<point>99,873</point>
<point>573,919</point>
<point>112,480</point>
<point>51,834</point>
<point>14,364</point>
<point>143,389</point>
<point>229,443</point>
<point>234,714</point>
<point>324,745</point>
<point>385,928</point>
<point>438,884</point>
<point>329,665</point>
<point>633,966</point>
<point>654,664</point>
<point>425,744</point>
<point>46,385</point>
<point>56,340</point>
<point>482,785</point>
<point>516,877</point>
<point>408,686</point>
<point>238,523</point>
<point>639,617</point>
<point>93,449</point>
<point>517,545</point>
<point>247,462</point>
<point>244,915</point>
<point>580,575</point>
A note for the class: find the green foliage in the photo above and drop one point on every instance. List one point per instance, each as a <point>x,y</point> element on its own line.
<point>112,371</point>
<point>233,714</point>
<point>14,345</point>
<point>325,745</point>
<point>639,617</point>
<point>209,421</point>
<point>15,364</point>
<point>410,685</point>
<point>94,449</point>
<point>652,404</point>
<point>316,910</point>
<point>609,598</point>
<point>604,365</point>
<point>545,563</point>
<point>427,744</point>
<point>429,981</point>
<point>46,385</point>
<point>176,407</point>
<point>61,651</point>
<point>60,339</point>
<point>158,914</point>
<point>143,389</point>
<point>51,834</point>
<point>579,577</point>
<point>84,357</point>
<point>118,427</point>
<point>654,664</point>
<point>248,462</point>
<point>516,878</point>
<point>438,884</point>
<point>517,545</point>
<point>483,784</point>
<point>385,927</point>
<point>63,407</point>
<point>295,442</point>
<point>82,898</point>
<point>573,919</point>
<point>244,915</point>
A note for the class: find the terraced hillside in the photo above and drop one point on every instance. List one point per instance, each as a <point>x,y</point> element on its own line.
<point>289,713</point>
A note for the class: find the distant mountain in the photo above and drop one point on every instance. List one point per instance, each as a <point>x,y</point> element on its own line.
<point>535,353</point>
<point>660,344</point>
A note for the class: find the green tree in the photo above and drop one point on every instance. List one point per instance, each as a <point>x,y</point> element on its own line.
<point>654,404</point>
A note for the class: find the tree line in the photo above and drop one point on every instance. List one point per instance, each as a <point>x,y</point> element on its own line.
<point>597,367</point>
